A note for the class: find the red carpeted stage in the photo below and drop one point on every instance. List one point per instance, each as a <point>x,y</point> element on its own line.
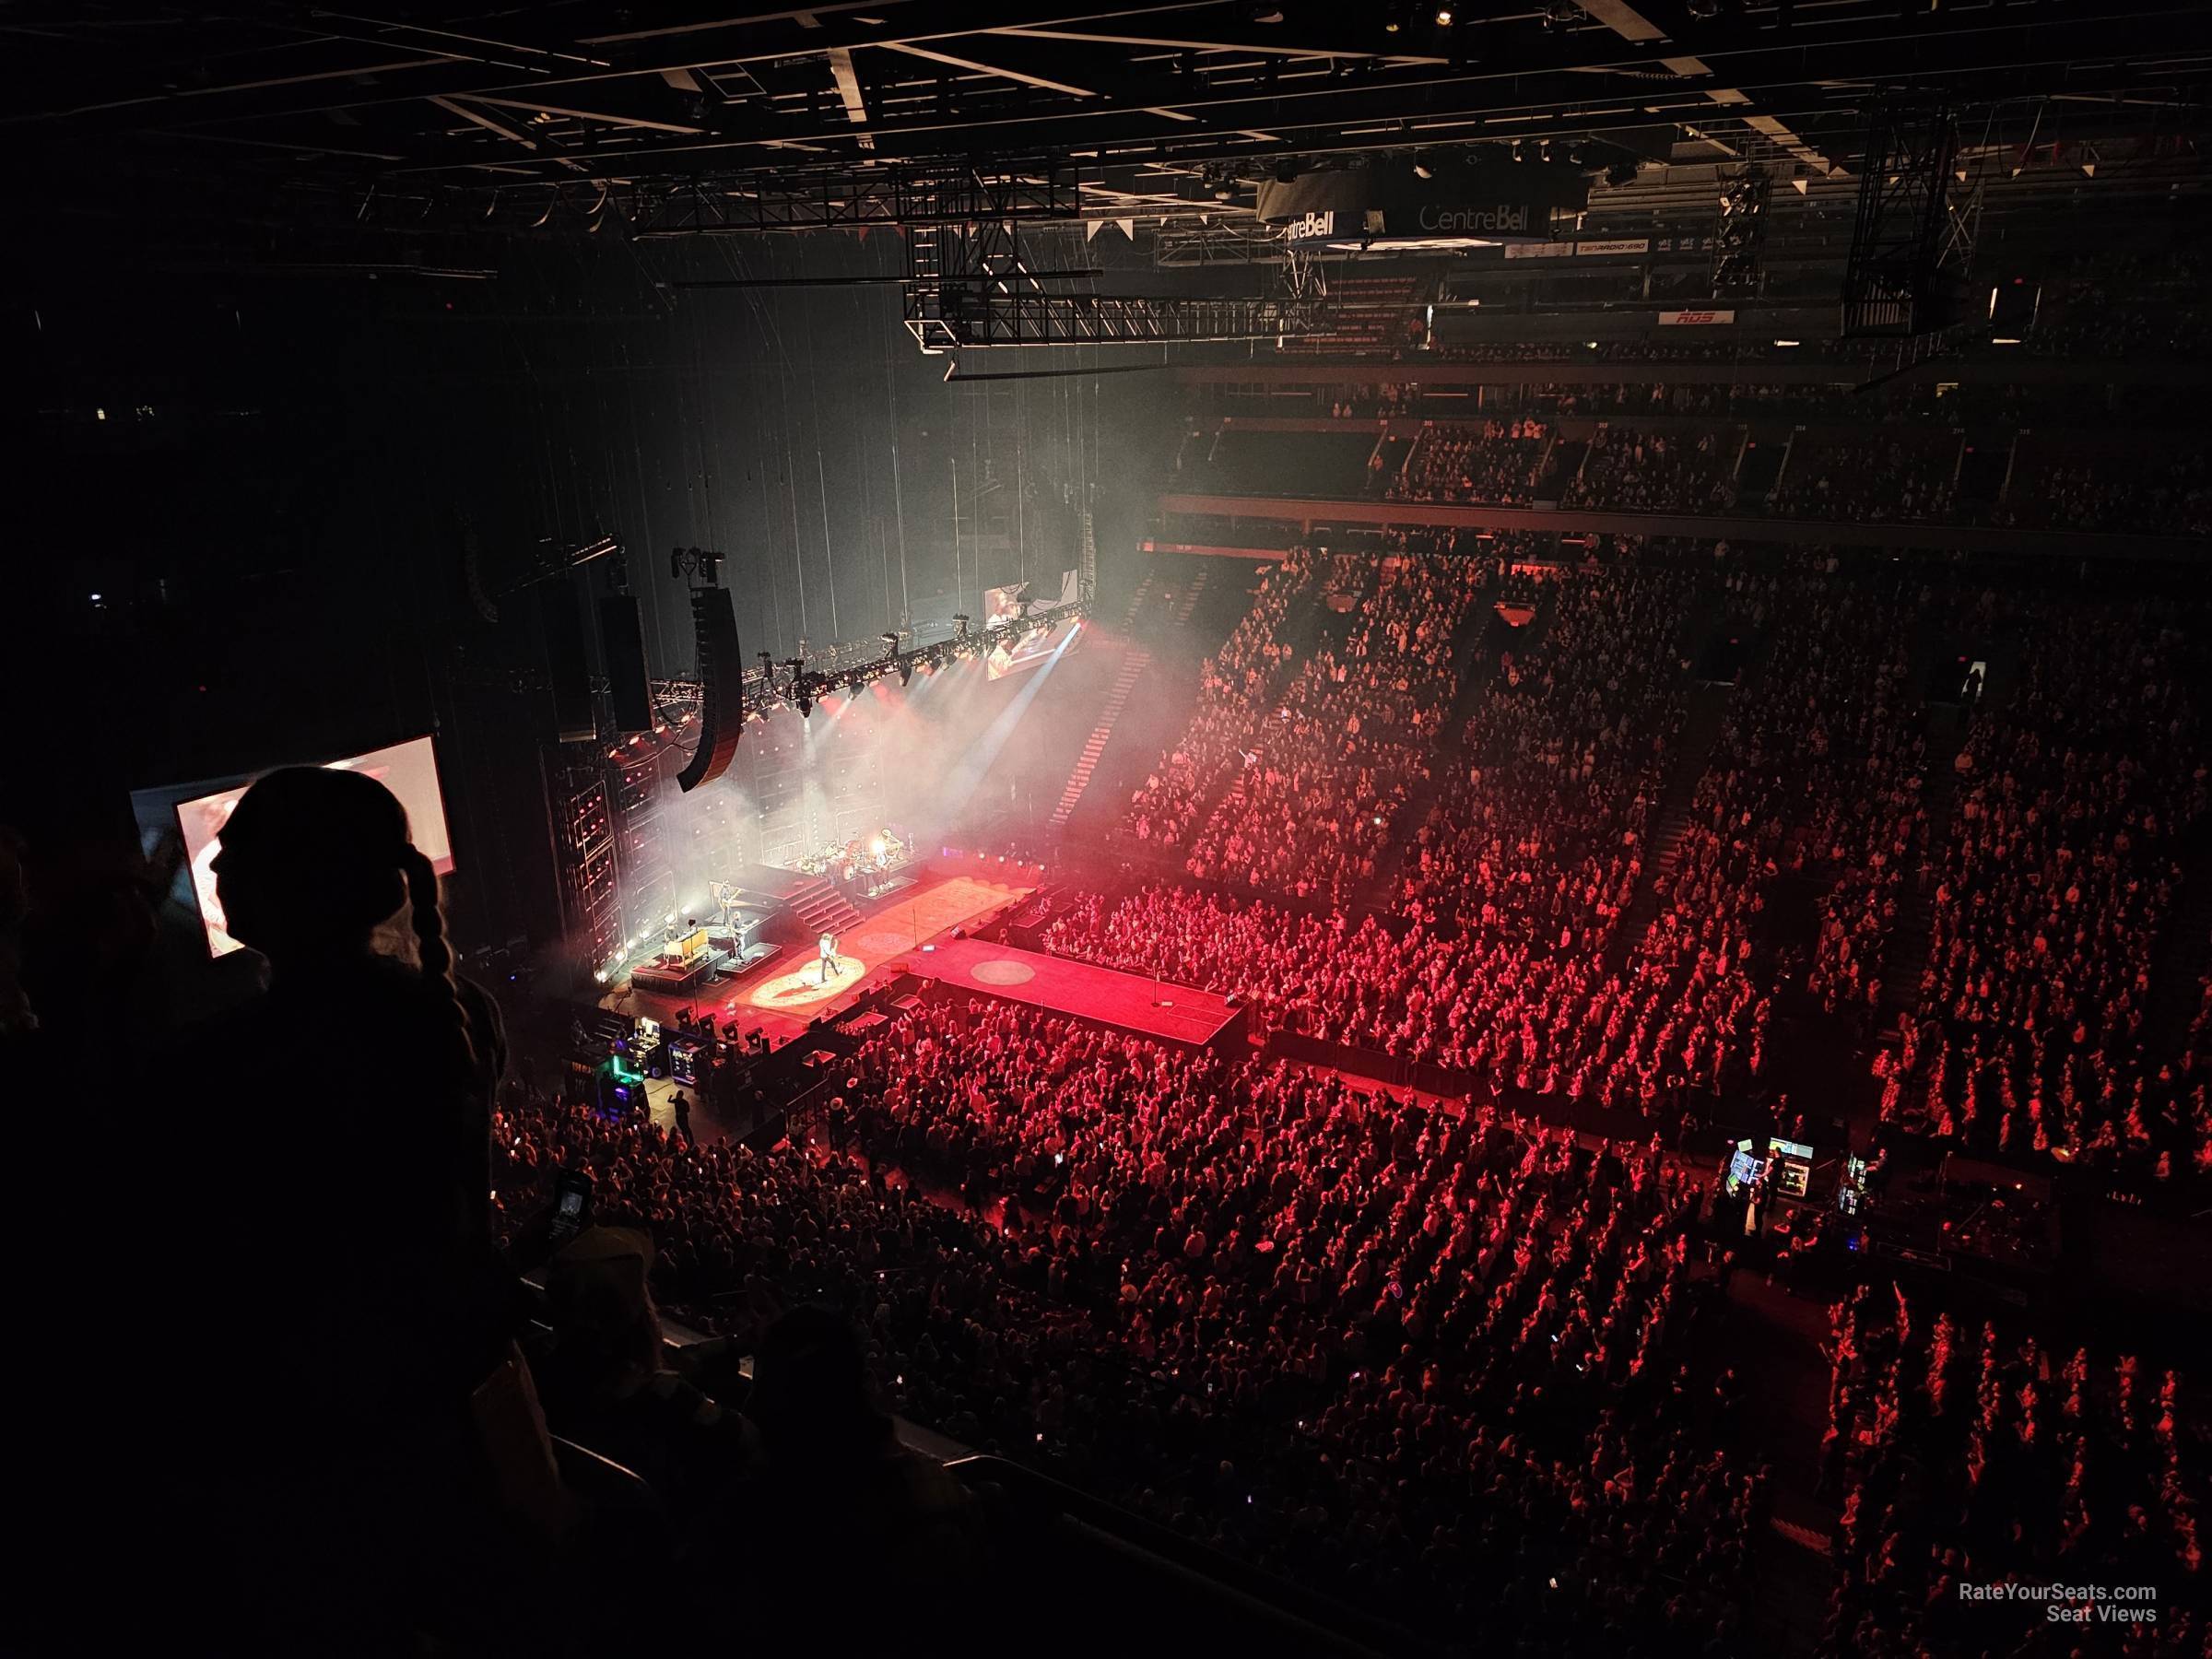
<point>785,999</point>
<point>1180,1015</point>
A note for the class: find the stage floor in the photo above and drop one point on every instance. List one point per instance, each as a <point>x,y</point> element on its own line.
<point>783,1004</point>
<point>1060,985</point>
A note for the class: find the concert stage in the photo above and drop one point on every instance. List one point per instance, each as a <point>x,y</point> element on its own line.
<point>1178,1014</point>
<point>784,1005</point>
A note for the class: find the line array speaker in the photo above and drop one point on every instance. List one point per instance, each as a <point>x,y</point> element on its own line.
<point>721,688</point>
<point>622,647</point>
<point>560,614</point>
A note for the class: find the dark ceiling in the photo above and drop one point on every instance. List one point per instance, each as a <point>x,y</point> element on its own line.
<point>517,117</point>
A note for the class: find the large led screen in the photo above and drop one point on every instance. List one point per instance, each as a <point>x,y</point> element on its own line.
<point>409,770</point>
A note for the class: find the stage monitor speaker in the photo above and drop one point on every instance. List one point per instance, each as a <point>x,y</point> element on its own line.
<point>721,688</point>
<point>560,615</point>
<point>622,647</point>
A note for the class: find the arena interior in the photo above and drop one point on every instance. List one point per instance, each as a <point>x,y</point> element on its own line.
<point>1201,827</point>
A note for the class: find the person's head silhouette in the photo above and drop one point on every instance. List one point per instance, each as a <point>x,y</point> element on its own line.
<point>312,860</point>
<point>811,1397</point>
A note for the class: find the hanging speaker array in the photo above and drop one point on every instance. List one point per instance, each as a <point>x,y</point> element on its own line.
<point>622,649</point>
<point>721,688</point>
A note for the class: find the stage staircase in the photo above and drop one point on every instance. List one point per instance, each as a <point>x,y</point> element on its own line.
<point>817,903</point>
<point>1117,699</point>
<point>1700,732</point>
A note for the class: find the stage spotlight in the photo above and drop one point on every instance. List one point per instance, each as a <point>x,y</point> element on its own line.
<point>1421,169</point>
<point>1443,17</point>
<point>906,674</point>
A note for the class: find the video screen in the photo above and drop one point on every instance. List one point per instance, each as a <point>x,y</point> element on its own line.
<point>409,770</point>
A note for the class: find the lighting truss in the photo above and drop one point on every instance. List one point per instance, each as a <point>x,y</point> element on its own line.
<point>973,314</point>
<point>971,283</point>
<point>860,662</point>
<point>1895,281</point>
<point>1739,240</point>
<point>746,204</point>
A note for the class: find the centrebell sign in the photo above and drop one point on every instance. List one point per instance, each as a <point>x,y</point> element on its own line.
<point>1504,219</point>
<point>1386,203</point>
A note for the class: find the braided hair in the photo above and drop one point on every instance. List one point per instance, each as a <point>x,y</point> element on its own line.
<point>435,955</point>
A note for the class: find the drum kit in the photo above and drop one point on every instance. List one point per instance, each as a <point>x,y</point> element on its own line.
<point>863,861</point>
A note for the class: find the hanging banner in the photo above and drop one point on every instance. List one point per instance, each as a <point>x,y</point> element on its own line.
<point>1565,250</point>
<point>1692,319</point>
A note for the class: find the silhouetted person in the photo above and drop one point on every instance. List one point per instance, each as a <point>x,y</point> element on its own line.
<point>606,1383</point>
<point>847,1518</point>
<point>337,1293</point>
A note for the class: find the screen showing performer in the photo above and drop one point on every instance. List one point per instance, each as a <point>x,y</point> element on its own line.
<point>409,770</point>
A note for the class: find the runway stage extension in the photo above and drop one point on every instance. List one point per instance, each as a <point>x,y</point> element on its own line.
<point>1180,1015</point>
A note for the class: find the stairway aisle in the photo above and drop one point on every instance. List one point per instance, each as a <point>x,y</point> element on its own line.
<point>1700,732</point>
<point>1136,603</point>
<point>1488,636</point>
<point>1947,726</point>
<point>1190,597</point>
<point>2181,953</point>
<point>1134,664</point>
